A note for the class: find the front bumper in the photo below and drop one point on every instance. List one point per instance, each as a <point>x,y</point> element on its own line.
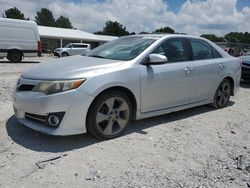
<point>58,54</point>
<point>74,103</point>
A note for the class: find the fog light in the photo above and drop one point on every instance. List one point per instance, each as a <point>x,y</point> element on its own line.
<point>53,120</point>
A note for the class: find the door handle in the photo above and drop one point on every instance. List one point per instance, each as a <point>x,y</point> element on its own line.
<point>188,70</point>
<point>222,66</point>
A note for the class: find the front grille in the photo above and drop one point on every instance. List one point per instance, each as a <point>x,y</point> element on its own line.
<point>25,87</point>
<point>36,118</point>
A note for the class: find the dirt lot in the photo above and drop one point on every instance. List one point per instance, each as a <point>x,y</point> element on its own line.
<point>199,147</point>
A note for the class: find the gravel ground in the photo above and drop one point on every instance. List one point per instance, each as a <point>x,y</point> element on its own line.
<point>199,147</point>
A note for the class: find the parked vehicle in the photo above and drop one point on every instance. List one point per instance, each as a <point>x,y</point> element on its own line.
<point>18,39</point>
<point>72,49</point>
<point>127,79</point>
<point>245,66</point>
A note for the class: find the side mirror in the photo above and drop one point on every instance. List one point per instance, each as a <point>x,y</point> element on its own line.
<point>155,59</point>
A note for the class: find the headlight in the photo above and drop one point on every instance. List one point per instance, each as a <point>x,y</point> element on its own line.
<point>51,87</point>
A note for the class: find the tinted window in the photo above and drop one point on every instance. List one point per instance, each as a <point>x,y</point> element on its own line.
<point>79,46</point>
<point>216,54</point>
<point>201,50</point>
<point>174,49</point>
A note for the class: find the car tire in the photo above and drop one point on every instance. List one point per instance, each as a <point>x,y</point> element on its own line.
<point>65,54</point>
<point>109,115</point>
<point>222,94</point>
<point>15,56</point>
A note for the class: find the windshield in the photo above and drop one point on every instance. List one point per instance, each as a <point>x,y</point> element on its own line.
<point>126,48</point>
<point>67,46</point>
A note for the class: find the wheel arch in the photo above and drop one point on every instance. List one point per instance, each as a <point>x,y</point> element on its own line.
<point>231,80</point>
<point>65,52</point>
<point>122,89</point>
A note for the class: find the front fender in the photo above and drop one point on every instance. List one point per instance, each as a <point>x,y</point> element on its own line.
<point>129,79</point>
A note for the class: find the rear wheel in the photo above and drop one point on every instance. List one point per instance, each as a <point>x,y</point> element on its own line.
<point>222,95</point>
<point>15,56</point>
<point>109,115</point>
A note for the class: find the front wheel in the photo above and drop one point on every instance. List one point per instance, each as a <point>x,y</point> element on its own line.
<point>222,95</point>
<point>65,54</point>
<point>109,115</point>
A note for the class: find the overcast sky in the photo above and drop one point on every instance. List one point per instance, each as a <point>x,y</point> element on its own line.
<point>187,16</point>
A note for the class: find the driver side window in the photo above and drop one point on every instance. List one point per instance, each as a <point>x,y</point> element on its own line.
<point>174,49</point>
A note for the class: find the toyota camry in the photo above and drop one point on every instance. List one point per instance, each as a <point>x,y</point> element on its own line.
<point>130,78</point>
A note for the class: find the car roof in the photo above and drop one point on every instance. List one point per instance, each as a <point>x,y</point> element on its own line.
<point>80,43</point>
<point>167,35</point>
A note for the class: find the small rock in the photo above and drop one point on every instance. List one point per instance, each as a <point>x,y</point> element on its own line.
<point>248,169</point>
<point>88,178</point>
<point>177,129</point>
<point>232,178</point>
<point>76,174</point>
<point>248,184</point>
<point>98,174</point>
<point>93,174</point>
<point>239,162</point>
<point>233,132</point>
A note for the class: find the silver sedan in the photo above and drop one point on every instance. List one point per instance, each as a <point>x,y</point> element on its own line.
<point>127,79</point>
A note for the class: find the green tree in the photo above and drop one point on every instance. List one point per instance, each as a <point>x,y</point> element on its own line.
<point>213,37</point>
<point>63,22</point>
<point>164,30</point>
<point>143,32</point>
<point>113,29</point>
<point>14,13</point>
<point>45,18</point>
<point>238,37</point>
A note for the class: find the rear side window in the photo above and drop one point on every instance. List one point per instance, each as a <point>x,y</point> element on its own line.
<point>201,50</point>
<point>79,46</point>
<point>174,49</point>
<point>216,53</point>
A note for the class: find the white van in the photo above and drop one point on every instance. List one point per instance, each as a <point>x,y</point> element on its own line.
<point>18,39</point>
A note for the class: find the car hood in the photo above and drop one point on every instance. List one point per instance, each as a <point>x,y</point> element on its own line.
<point>73,67</point>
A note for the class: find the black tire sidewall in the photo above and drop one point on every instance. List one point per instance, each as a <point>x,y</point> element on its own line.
<point>91,124</point>
<point>65,54</point>
<point>15,57</point>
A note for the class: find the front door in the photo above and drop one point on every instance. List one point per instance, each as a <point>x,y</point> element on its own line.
<point>167,85</point>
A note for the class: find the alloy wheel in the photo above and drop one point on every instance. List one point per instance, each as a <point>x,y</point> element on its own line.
<point>112,116</point>
<point>223,94</point>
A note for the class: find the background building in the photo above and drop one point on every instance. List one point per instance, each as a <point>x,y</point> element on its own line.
<point>53,37</point>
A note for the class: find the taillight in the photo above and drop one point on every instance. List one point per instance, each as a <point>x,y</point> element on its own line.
<point>39,46</point>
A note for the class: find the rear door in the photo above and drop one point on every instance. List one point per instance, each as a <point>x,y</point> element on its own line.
<point>208,66</point>
<point>79,48</point>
